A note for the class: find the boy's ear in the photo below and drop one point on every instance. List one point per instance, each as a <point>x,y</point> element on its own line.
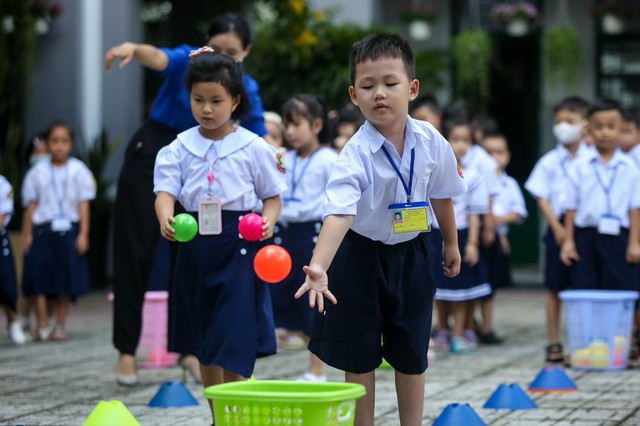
<point>352,95</point>
<point>414,89</point>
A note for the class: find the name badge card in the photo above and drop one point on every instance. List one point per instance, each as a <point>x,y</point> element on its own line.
<point>609,225</point>
<point>60,224</point>
<point>409,217</point>
<point>293,206</point>
<point>210,216</point>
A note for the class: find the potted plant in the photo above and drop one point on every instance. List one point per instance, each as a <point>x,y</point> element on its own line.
<point>562,55</point>
<point>473,53</point>
<point>419,16</point>
<point>516,17</point>
<point>612,15</point>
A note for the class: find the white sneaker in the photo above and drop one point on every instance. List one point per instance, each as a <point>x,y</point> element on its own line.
<point>17,334</point>
<point>310,377</point>
<point>44,333</point>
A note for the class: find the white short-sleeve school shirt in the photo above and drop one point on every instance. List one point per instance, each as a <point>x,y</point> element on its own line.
<point>363,182</point>
<point>549,176</point>
<point>6,201</point>
<point>634,153</point>
<point>589,182</point>
<point>478,159</point>
<point>474,201</point>
<point>306,183</point>
<point>245,169</point>
<point>58,191</point>
<point>509,200</point>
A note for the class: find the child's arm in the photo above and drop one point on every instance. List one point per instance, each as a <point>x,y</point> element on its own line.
<point>2,221</point>
<point>333,230</point>
<point>471,253</point>
<point>82,242</point>
<point>508,219</point>
<point>556,226</point>
<point>27,227</point>
<point>488,226</point>
<point>443,209</point>
<point>568,250</point>
<point>148,56</point>
<point>270,213</point>
<point>164,212</point>
<point>633,249</point>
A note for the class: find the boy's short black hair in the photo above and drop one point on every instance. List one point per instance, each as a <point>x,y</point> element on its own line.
<point>382,45</point>
<point>211,67</point>
<point>495,134</point>
<point>449,125</point>
<point>605,104</point>
<point>631,115</point>
<point>574,104</point>
<point>427,100</point>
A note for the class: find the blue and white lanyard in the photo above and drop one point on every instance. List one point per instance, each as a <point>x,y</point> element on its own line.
<point>606,188</point>
<point>60,194</point>
<point>407,188</point>
<point>294,181</point>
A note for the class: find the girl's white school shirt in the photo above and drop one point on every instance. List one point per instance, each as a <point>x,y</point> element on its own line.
<point>246,169</point>
<point>306,181</point>
<point>363,183</point>
<point>6,200</point>
<point>586,192</point>
<point>474,201</point>
<point>58,191</point>
<point>509,200</point>
<point>549,176</point>
<point>478,159</point>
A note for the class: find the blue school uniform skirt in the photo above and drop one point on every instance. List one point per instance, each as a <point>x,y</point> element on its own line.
<point>53,267</point>
<point>472,282</point>
<point>8,281</point>
<point>299,239</point>
<point>221,312</point>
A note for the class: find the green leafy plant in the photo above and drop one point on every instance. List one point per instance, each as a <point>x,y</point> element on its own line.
<point>473,54</point>
<point>561,54</point>
<point>412,10</point>
<point>298,49</point>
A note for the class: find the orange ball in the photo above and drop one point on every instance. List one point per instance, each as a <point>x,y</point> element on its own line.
<point>272,263</point>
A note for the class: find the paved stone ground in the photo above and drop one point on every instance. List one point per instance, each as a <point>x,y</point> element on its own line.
<point>60,384</point>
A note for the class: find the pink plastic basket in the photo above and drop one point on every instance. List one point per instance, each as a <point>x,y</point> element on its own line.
<point>152,348</point>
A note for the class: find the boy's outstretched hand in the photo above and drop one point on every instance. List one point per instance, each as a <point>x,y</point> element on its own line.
<point>317,284</point>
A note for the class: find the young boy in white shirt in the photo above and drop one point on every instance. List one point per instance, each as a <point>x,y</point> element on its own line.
<point>378,269</point>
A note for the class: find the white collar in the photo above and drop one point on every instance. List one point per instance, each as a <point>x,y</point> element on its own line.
<point>196,144</point>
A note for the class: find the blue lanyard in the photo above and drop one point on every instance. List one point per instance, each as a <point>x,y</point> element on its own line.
<point>294,182</point>
<point>407,188</point>
<point>60,195</point>
<point>606,188</point>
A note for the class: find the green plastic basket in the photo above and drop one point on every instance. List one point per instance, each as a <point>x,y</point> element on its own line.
<point>279,402</point>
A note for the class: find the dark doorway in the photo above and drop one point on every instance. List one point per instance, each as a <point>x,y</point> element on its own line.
<point>514,104</point>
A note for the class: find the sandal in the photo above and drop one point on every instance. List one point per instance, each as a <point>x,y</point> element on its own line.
<point>555,353</point>
<point>58,334</point>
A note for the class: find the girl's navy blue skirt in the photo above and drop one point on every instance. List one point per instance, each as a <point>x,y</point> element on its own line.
<point>8,282</point>
<point>299,239</point>
<point>53,266</point>
<point>221,311</point>
<point>470,284</point>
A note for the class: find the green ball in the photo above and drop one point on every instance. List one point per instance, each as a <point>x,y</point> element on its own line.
<point>186,227</point>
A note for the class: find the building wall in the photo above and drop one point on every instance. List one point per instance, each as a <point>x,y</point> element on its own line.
<point>57,85</point>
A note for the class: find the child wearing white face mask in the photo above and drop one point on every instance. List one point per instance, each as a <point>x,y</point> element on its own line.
<point>545,184</point>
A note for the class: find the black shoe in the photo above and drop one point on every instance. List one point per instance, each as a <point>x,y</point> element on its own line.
<point>489,338</point>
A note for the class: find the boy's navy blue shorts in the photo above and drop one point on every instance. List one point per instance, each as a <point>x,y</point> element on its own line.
<point>385,295</point>
<point>602,264</point>
<point>557,275</point>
